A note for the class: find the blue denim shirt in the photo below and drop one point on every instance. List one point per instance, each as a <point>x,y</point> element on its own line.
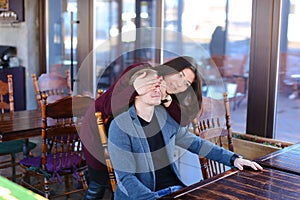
<point>131,157</point>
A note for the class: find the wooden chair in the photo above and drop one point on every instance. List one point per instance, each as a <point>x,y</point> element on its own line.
<point>6,89</point>
<point>53,84</point>
<point>99,92</point>
<point>211,129</point>
<point>10,148</point>
<point>102,127</point>
<point>234,65</point>
<point>232,70</point>
<point>236,78</point>
<point>60,122</point>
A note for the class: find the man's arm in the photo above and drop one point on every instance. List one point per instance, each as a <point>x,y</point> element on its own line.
<point>202,147</point>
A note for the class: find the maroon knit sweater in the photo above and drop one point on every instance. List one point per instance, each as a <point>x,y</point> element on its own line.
<point>112,102</point>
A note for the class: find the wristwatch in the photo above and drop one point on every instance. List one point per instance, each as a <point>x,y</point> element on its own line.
<point>167,99</point>
<point>233,157</point>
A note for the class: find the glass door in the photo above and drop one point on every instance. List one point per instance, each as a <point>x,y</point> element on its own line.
<point>62,37</point>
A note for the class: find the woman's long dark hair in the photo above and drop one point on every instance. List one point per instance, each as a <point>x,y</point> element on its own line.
<point>190,100</point>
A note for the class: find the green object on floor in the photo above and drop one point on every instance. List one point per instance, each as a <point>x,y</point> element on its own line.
<point>11,191</point>
<point>11,148</point>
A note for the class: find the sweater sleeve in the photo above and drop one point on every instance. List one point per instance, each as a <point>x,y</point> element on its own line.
<point>202,147</point>
<point>120,95</point>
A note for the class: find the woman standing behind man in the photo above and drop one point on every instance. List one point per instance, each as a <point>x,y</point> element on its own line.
<point>183,100</point>
<point>183,85</point>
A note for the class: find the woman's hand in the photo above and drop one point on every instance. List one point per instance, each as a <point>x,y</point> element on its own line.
<point>163,89</point>
<point>143,85</point>
<point>165,97</point>
<point>240,162</point>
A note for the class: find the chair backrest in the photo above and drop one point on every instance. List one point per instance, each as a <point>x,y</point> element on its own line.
<point>218,60</point>
<point>60,123</point>
<point>6,89</point>
<point>229,65</point>
<point>103,137</point>
<point>234,65</point>
<point>211,129</point>
<point>54,84</point>
<point>99,92</point>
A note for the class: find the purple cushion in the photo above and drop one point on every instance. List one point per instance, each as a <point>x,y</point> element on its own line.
<point>35,162</point>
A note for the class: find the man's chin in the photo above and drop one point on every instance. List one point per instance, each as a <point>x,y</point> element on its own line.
<point>156,103</point>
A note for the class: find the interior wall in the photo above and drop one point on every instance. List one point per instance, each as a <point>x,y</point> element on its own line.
<point>24,36</point>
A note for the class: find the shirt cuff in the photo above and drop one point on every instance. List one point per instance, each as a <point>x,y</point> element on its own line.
<point>233,157</point>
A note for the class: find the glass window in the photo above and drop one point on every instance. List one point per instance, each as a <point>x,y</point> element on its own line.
<point>107,45</point>
<point>216,31</point>
<point>114,52</point>
<point>288,94</point>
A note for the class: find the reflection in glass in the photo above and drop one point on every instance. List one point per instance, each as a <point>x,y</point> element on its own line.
<point>288,94</point>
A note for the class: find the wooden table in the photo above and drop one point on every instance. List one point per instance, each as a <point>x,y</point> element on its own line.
<point>246,184</point>
<point>287,159</point>
<point>20,125</point>
<point>280,179</point>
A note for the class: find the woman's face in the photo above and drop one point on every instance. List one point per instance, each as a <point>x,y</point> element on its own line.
<point>180,81</point>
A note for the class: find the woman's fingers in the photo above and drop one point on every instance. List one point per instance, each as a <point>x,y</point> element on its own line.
<point>143,75</point>
<point>144,88</point>
<point>143,85</point>
<point>163,89</point>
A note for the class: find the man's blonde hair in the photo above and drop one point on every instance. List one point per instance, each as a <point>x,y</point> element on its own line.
<point>140,72</point>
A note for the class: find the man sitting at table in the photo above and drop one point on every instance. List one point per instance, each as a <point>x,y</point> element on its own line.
<point>141,146</point>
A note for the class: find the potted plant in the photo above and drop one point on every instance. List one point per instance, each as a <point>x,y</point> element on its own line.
<point>252,146</point>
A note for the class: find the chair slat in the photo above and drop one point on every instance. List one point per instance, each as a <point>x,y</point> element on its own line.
<point>212,130</point>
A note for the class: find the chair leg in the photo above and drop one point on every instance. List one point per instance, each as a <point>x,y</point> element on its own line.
<point>23,178</point>
<point>13,162</point>
<point>83,180</point>
<point>67,184</point>
<point>46,188</point>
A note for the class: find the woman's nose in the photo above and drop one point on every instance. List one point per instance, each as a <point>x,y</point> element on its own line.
<point>180,82</point>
